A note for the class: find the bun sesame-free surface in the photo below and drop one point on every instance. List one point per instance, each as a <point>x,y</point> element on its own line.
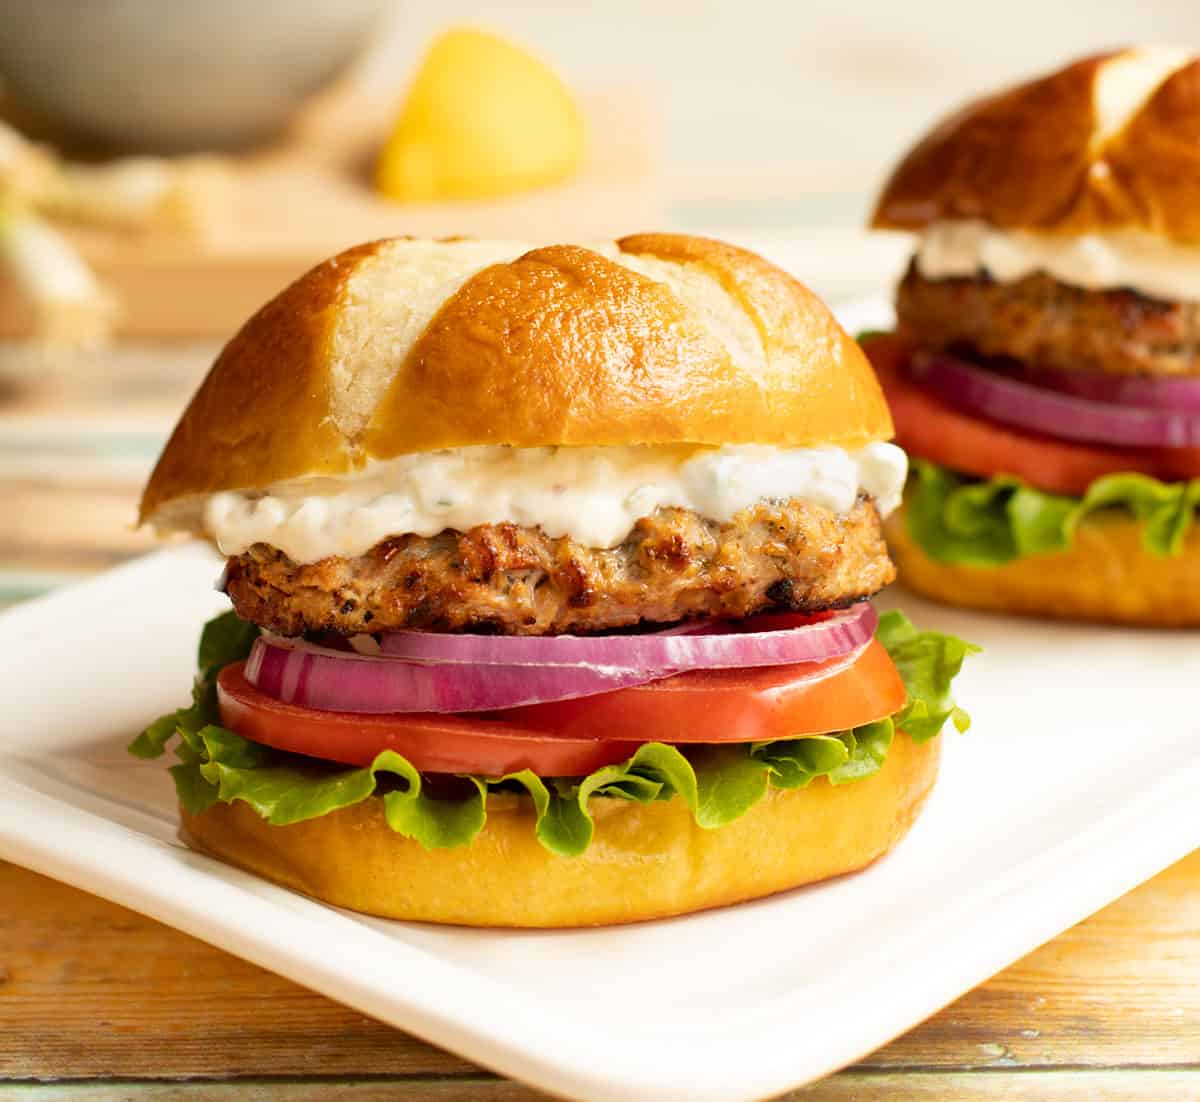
<point>1110,142</point>
<point>645,861</point>
<point>403,346</point>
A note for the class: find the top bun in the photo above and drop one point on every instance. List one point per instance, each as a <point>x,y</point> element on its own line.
<point>1110,142</point>
<point>403,346</point>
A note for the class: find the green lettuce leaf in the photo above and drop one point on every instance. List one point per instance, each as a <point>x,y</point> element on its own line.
<point>795,763</point>
<point>224,640</point>
<point>928,662</point>
<point>868,748</point>
<point>717,783</point>
<point>957,519</point>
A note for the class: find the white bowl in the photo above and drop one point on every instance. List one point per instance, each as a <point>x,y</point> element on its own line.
<point>143,74</point>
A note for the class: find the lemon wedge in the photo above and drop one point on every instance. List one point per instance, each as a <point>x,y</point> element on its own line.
<point>483,118</point>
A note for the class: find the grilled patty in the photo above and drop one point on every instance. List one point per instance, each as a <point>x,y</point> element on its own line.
<point>1043,323</point>
<point>514,580</point>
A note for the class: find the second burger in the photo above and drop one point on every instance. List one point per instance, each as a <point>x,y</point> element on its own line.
<point>1045,371</point>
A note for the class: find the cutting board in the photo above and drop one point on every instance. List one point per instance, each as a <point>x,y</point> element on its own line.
<point>309,196</point>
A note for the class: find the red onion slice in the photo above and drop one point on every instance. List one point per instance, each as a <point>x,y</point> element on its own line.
<point>340,681</point>
<point>311,676</point>
<point>1143,391</point>
<point>770,640</point>
<point>1013,402</point>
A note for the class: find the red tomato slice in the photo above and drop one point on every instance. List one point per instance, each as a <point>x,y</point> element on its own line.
<point>572,738</point>
<point>433,743</point>
<point>931,429</point>
<point>752,705</point>
<point>1180,463</point>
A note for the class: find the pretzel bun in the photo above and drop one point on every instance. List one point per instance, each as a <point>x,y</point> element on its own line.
<point>1106,575</point>
<point>1110,142</point>
<point>645,861</point>
<point>402,346</point>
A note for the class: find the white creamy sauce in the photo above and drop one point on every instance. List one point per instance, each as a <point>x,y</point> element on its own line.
<point>1094,261</point>
<point>593,495</point>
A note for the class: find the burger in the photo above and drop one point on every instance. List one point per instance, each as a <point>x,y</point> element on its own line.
<point>1044,373</point>
<point>549,571</point>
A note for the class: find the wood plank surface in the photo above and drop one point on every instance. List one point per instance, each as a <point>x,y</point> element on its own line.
<point>1117,1085</point>
<point>90,990</point>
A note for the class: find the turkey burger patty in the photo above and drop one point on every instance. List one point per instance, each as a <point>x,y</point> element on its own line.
<point>512,579</point>
<point>1043,322</point>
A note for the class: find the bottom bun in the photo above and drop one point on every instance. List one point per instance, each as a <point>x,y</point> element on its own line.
<point>1106,574</point>
<point>645,861</point>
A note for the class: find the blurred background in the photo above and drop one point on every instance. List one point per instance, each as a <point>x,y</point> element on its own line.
<point>778,120</point>
<point>164,169</point>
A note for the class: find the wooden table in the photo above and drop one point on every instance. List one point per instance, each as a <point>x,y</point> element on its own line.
<point>98,1003</point>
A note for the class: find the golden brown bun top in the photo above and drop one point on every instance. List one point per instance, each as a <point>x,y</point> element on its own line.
<point>1110,142</point>
<point>403,346</point>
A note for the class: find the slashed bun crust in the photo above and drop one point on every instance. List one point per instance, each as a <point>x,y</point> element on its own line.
<point>646,860</point>
<point>1109,142</point>
<point>403,346</point>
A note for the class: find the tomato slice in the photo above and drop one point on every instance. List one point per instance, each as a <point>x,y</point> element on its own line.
<point>931,429</point>
<point>433,743</point>
<point>753,705</point>
<point>572,738</point>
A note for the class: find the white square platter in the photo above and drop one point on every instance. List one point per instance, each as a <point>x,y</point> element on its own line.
<point>1079,779</point>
